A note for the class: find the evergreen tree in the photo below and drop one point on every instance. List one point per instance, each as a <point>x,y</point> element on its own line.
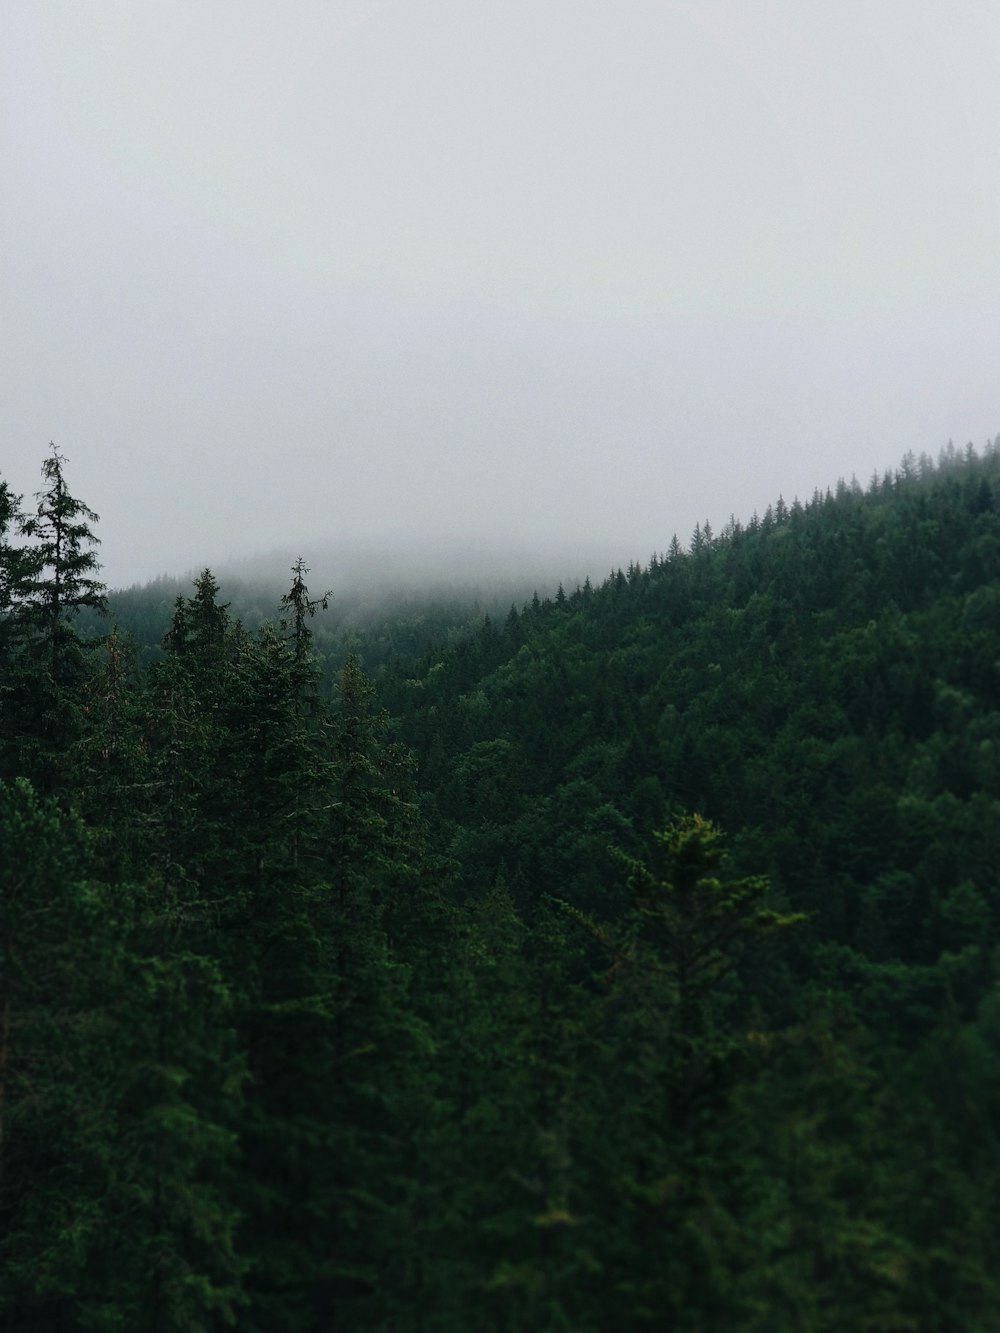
<point>300,608</point>
<point>50,580</point>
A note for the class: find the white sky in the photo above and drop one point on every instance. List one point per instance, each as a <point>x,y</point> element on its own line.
<point>529,272</point>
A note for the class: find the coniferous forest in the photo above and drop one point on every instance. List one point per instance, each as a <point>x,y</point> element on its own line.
<point>628,962</point>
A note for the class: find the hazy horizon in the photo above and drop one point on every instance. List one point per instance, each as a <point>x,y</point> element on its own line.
<point>516,278</point>
<point>358,570</point>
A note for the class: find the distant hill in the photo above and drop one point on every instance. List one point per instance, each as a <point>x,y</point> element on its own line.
<point>823,680</point>
<point>386,599</point>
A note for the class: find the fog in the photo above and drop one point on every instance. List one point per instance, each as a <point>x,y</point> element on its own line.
<point>521,284</point>
<point>370,579</point>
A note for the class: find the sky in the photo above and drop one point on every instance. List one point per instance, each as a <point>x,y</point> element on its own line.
<point>516,275</point>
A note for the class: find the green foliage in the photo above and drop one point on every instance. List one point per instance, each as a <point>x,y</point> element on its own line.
<point>324,1002</point>
<point>694,923</point>
<point>46,579</point>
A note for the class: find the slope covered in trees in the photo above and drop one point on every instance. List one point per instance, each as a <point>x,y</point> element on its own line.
<point>630,963</point>
<point>822,681</point>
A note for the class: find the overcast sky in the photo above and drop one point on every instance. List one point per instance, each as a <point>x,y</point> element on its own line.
<point>520,271</point>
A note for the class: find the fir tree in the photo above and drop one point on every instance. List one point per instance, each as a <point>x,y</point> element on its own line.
<point>49,581</point>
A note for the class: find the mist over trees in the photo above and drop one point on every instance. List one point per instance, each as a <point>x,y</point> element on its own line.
<point>624,958</point>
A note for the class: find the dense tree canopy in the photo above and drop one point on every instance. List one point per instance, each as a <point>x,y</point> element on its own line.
<point>628,960</point>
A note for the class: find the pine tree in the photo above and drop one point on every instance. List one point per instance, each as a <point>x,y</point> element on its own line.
<point>300,608</point>
<point>672,1057</point>
<point>54,580</point>
<point>64,580</point>
<point>336,1048</point>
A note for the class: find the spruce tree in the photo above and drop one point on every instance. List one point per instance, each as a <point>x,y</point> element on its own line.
<point>298,609</point>
<point>54,579</point>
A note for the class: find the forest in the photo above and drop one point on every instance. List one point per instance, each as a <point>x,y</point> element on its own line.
<point>627,960</point>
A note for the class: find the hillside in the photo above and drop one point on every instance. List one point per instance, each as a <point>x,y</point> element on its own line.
<point>823,681</point>
<point>628,961</point>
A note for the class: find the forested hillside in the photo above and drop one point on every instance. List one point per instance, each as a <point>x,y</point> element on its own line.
<point>390,626</point>
<point>822,681</point>
<point>630,962</point>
